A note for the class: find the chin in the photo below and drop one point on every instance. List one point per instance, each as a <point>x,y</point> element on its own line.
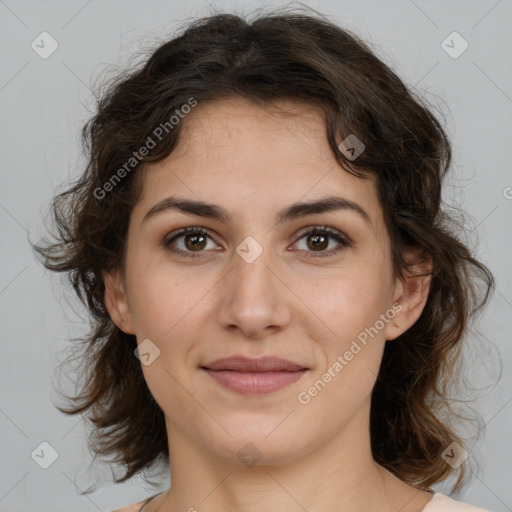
<point>254,446</point>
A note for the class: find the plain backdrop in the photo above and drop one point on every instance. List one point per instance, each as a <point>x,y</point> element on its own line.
<point>44,103</point>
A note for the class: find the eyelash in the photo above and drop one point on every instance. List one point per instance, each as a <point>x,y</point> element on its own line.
<point>316,230</point>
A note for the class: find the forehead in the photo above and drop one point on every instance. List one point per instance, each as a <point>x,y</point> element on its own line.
<point>249,157</point>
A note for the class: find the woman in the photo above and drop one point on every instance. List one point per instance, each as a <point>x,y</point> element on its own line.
<point>279,300</point>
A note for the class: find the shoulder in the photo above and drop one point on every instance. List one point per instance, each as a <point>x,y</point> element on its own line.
<point>135,507</point>
<point>443,503</point>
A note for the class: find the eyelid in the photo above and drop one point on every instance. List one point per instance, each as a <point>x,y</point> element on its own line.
<point>316,228</point>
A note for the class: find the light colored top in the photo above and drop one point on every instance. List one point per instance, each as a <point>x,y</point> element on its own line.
<point>442,503</point>
<point>438,503</point>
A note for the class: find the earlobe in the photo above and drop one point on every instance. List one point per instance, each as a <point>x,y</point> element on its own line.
<point>411,292</point>
<point>116,301</point>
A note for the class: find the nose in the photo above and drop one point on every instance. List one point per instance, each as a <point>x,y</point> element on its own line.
<point>254,298</point>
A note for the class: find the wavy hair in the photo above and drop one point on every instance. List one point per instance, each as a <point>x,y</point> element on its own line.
<point>309,59</point>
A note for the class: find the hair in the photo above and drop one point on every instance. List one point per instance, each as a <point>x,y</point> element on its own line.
<point>277,56</point>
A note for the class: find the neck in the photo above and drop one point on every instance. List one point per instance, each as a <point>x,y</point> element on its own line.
<point>338,475</point>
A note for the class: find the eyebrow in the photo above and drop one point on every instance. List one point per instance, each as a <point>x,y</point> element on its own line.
<point>291,212</point>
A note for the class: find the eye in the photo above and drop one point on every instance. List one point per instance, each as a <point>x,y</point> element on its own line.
<point>188,241</point>
<point>317,241</point>
<point>192,241</point>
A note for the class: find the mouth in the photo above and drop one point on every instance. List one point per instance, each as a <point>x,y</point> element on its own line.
<point>254,376</point>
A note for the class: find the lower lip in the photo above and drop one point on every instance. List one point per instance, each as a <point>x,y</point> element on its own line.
<point>255,382</point>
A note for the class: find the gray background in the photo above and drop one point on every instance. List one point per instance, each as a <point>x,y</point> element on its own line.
<point>44,103</point>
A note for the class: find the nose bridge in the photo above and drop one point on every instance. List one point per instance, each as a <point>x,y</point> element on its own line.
<point>253,277</point>
<point>252,298</point>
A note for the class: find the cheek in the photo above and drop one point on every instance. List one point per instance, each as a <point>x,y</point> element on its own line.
<point>343,302</point>
<point>349,344</point>
<point>170,307</point>
<point>166,309</point>
<point>161,296</point>
<point>340,395</point>
<point>349,334</point>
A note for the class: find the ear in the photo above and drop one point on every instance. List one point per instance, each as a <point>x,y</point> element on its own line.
<point>411,292</point>
<point>116,301</point>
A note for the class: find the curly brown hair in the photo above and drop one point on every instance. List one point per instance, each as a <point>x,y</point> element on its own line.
<point>281,55</point>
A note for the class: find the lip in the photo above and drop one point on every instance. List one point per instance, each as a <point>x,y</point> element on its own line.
<point>261,364</point>
<point>254,376</point>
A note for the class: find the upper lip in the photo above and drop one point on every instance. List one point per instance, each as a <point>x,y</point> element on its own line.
<point>246,364</point>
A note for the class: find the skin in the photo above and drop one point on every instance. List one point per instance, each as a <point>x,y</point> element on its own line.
<point>253,162</point>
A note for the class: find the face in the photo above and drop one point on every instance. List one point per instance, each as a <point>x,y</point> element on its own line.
<point>312,286</point>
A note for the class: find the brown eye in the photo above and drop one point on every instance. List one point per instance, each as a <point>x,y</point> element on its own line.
<point>193,241</point>
<point>188,241</point>
<point>318,240</point>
